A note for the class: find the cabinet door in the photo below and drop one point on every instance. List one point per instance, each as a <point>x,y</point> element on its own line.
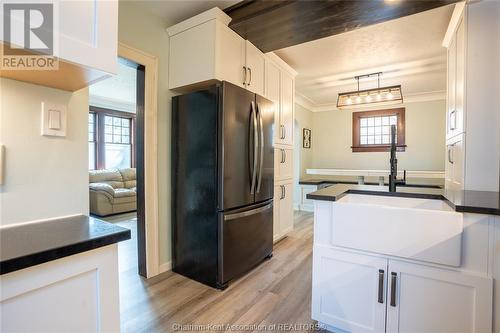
<point>283,163</point>
<point>286,208</point>
<point>458,125</point>
<point>348,290</point>
<point>273,94</point>
<point>287,107</point>
<point>91,40</point>
<point>451,110</point>
<point>230,58</point>
<point>425,299</point>
<point>454,165</point>
<point>276,212</point>
<point>255,63</point>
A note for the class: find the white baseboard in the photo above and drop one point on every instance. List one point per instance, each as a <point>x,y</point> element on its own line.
<point>165,267</point>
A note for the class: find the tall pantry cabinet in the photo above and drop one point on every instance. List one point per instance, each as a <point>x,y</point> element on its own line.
<point>473,108</point>
<point>204,50</point>
<point>280,88</point>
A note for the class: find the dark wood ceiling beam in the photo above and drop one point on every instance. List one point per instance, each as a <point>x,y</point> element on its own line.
<point>275,24</point>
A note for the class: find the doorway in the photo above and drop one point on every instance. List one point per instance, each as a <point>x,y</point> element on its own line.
<point>116,158</point>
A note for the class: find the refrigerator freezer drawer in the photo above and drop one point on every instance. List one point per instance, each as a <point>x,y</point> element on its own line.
<point>246,240</point>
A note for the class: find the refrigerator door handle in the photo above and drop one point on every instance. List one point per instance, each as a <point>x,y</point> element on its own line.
<point>247,213</point>
<point>261,157</point>
<point>255,148</point>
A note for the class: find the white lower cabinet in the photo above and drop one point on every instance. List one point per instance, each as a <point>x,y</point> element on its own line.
<point>362,293</point>
<point>283,209</point>
<point>346,290</point>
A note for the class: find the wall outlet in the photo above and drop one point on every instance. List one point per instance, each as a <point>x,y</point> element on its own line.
<point>54,119</point>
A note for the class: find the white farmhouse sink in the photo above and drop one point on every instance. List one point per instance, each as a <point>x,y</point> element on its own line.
<point>421,229</point>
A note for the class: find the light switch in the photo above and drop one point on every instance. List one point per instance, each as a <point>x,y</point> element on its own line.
<point>53,119</point>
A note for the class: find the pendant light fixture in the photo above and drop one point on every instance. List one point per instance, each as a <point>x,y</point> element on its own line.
<point>370,97</point>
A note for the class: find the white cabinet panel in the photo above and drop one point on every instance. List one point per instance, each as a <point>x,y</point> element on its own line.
<point>283,158</point>
<point>455,163</point>
<point>283,209</point>
<point>458,125</point>
<point>434,300</point>
<point>255,63</point>
<point>78,293</point>
<point>273,94</point>
<point>451,110</point>
<point>287,107</point>
<point>230,56</point>
<point>89,33</point>
<point>349,290</point>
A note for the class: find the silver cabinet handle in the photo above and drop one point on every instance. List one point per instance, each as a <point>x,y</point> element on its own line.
<point>282,159</point>
<point>244,75</point>
<point>381,274</point>
<point>394,280</point>
<point>450,159</point>
<point>255,148</point>
<point>284,155</point>
<point>282,188</point>
<point>282,129</point>
<point>250,76</point>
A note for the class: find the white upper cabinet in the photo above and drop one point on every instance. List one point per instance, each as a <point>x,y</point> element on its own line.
<point>280,88</point>
<point>89,33</point>
<point>86,48</point>
<point>255,66</point>
<point>204,49</point>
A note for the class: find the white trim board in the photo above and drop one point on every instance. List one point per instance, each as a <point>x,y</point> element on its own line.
<point>308,104</point>
<point>375,173</point>
<point>150,152</point>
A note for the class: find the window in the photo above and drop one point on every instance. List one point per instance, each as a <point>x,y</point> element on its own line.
<point>371,130</point>
<point>111,139</point>
<point>92,140</point>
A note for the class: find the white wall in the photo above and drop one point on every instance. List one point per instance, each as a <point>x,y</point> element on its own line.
<point>45,177</point>
<point>425,138</point>
<point>140,29</point>
<point>303,158</point>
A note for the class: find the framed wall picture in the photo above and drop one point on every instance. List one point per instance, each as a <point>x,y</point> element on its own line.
<point>306,138</point>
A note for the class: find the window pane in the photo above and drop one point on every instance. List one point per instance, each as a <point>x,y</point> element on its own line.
<point>386,139</point>
<point>378,121</point>
<point>371,140</point>
<point>117,139</point>
<point>108,129</point>
<point>125,122</point>
<point>371,130</point>
<point>125,131</point>
<point>108,120</point>
<point>364,140</point>
<point>117,156</point>
<point>371,121</point>
<point>385,120</point>
<point>363,131</point>
<point>91,156</point>
<point>364,122</point>
<point>116,121</point>
<point>378,140</point>
<point>125,139</point>
<point>393,120</point>
<point>108,138</point>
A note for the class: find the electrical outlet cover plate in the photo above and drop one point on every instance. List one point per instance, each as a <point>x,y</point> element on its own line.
<point>53,119</point>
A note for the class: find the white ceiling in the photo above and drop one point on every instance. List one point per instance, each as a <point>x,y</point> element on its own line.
<point>175,11</point>
<point>117,92</point>
<point>408,50</point>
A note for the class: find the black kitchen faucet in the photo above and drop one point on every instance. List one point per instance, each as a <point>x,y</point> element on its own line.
<point>393,177</point>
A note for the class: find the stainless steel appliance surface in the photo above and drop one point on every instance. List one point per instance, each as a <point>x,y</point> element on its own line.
<point>222,181</point>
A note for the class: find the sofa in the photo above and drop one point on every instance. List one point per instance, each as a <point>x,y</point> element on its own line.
<point>112,191</point>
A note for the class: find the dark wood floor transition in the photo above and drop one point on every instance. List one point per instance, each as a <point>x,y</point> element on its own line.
<point>276,295</point>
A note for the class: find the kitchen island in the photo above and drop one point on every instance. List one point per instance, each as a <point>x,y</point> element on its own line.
<point>60,275</point>
<point>414,260</point>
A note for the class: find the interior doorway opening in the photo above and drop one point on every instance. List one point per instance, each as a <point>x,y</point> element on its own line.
<point>116,158</point>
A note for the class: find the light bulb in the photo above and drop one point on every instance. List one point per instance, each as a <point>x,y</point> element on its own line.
<point>368,99</point>
<point>379,97</point>
<point>348,101</point>
<point>389,96</point>
<point>358,99</point>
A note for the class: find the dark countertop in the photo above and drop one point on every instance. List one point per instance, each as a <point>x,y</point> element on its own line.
<point>481,202</point>
<point>370,180</point>
<point>30,244</point>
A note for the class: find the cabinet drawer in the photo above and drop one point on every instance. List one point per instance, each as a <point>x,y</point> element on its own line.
<point>283,163</point>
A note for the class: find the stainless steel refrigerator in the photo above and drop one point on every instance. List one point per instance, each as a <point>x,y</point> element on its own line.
<point>222,183</point>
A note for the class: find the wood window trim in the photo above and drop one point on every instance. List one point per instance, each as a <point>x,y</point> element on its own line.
<point>95,138</point>
<point>100,113</point>
<point>357,147</point>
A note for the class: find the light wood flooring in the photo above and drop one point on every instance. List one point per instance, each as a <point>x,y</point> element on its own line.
<point>278,292</point>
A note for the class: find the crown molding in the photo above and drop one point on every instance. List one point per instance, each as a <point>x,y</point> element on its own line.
<point>310,105</point>
<point>111,103</point>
